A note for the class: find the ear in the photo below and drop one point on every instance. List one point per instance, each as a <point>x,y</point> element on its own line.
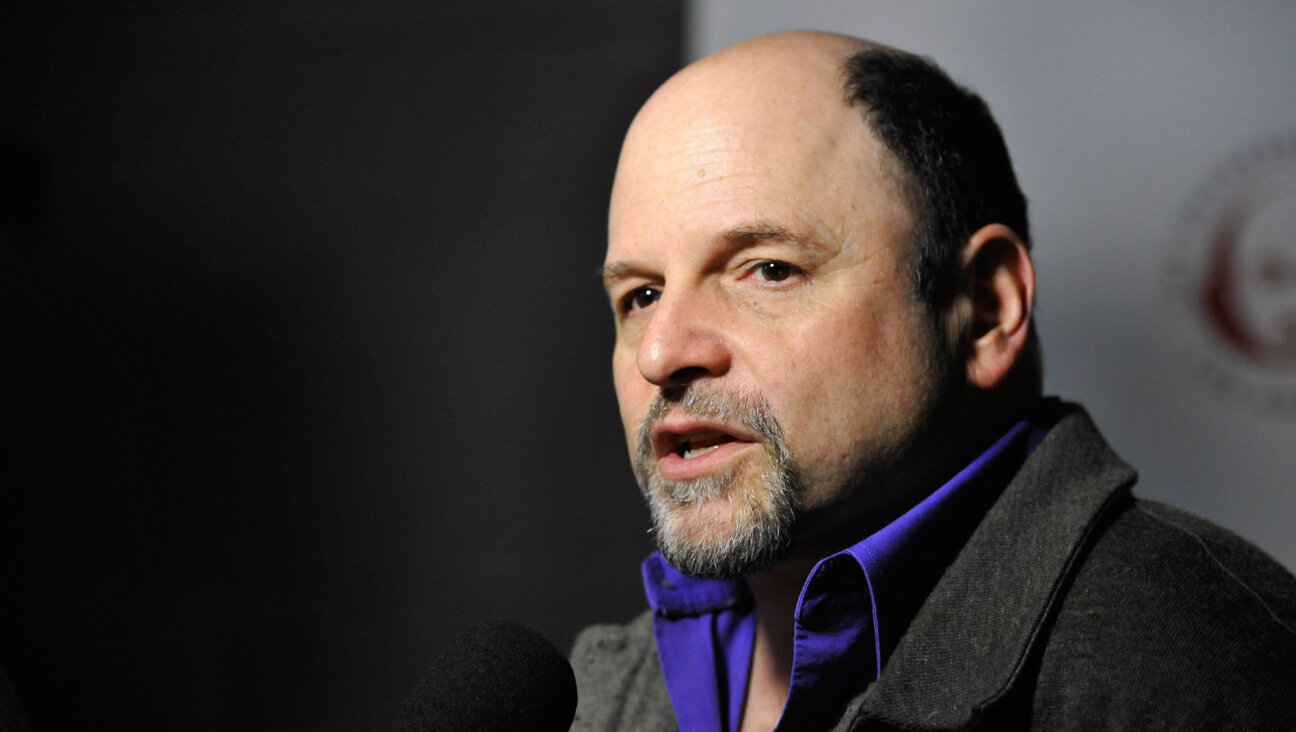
<point>999,278</point>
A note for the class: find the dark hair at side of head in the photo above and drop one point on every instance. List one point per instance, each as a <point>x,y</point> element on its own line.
<point>958,175</point>
<point>958,172</point>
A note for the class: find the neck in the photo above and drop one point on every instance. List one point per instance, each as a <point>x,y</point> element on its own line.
<point>775,592</point>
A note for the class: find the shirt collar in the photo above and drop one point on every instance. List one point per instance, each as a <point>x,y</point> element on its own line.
<point>671,594</point>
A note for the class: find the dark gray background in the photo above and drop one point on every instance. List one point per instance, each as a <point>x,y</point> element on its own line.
<point>306,364</point>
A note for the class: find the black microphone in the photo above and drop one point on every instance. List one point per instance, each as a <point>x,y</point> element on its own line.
<point>499,675</point>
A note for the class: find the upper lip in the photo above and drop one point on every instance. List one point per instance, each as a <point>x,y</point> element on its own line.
<point>672,430</point>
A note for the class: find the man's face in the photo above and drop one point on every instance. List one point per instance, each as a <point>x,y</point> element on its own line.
<point>773,366</point>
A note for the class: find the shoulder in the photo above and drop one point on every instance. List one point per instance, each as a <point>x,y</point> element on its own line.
<point>1171,620</point>
<point>613,648</point>
<point>618,679</point>
<point>1196,575</point>
<point>1175,546</point>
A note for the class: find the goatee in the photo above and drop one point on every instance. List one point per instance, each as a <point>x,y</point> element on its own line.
<point>729,524</point>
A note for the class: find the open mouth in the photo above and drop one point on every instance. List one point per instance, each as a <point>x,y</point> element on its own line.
<point>697,444</point>
<point>687,448</point>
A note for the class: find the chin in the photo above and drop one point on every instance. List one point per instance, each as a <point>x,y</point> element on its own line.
<point>740,532</point>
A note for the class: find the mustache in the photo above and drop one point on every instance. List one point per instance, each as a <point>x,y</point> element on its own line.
<point>748,410</point>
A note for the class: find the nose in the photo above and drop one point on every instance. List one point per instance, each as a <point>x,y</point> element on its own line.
<point>683,341</point>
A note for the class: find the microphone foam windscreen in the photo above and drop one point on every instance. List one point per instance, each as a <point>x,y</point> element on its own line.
<point>499,675</point>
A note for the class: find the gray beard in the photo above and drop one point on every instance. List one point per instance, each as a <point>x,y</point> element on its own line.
<point>757,530</point>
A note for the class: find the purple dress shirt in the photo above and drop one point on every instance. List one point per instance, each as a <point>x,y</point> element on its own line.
<point>853,608</point>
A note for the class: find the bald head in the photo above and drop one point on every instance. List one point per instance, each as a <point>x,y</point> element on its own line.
<point>767,118</point>
<point>770,67</point>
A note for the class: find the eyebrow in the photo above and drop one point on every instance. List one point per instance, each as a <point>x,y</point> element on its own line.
<point>734,238</point>
<point>765,231</point>
<point>761,231</point>
<point>614,272</point>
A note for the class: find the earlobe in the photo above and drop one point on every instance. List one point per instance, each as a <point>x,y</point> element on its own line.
<point>1000,280</point>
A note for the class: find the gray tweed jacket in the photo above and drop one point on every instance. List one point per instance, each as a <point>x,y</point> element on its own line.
<point>1072,606</point>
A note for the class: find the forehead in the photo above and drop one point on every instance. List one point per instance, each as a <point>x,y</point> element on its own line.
<point>766,138</point>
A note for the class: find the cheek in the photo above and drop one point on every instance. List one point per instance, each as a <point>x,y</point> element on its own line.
<point>814,380</point>
<point>849,383</point>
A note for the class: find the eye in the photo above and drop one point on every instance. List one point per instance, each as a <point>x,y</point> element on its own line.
<point>776,271</point>
<point>640,298</point>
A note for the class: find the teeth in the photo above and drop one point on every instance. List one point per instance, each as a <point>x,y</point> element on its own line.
<point>689,454</point>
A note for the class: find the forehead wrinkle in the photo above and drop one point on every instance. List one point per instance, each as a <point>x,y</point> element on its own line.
<point>697,158</point>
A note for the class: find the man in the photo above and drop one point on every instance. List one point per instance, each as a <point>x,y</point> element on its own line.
<point>867,517</point>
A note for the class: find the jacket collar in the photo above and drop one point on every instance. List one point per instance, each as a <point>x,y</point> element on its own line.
<point>972,637</point>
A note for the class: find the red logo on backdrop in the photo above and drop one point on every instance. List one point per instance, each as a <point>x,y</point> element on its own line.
<point>1232,275</point>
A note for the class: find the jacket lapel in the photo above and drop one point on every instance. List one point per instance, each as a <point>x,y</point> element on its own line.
<point>968,644</point>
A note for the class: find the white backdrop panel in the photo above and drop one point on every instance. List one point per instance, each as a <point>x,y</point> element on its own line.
<point>1119,116</point>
